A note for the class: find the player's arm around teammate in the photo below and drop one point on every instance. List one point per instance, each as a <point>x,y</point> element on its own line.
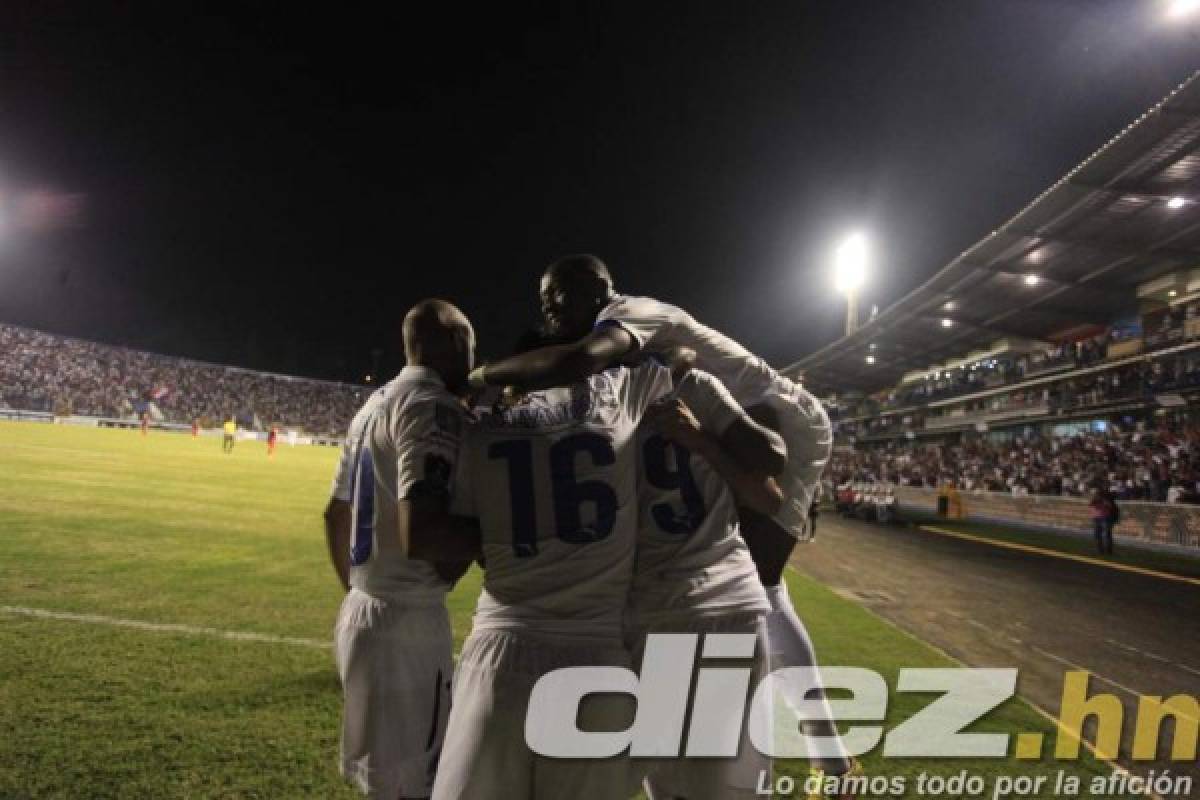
<point>429,532</point>
<point>752,487</point>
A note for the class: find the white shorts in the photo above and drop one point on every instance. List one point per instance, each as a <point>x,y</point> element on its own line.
<point>395,660</point>
<point>709,778</point>
<point>485,756</point>
<point>806,431</point>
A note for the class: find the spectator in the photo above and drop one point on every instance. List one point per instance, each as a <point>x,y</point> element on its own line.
<point>1137,465</point>
<point>44,372</point>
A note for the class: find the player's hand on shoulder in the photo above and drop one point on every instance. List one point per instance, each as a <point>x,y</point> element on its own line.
<point>675,421</point>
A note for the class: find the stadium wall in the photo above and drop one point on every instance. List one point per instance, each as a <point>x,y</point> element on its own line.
<point>46,417</point>
<point>1158,526</point>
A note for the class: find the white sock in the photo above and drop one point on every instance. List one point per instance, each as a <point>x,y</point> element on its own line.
<point>790,646</point>
<point>779,598</point>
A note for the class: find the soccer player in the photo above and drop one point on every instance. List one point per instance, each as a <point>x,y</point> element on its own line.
<point>602,328</point>
<point>693,572</point>
<point>393,636</point>
<point>230,435</point>
<point>272,436</point>
<point>552,479</point>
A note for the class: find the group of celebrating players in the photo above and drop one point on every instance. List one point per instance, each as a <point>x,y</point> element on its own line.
<point>630,472</point>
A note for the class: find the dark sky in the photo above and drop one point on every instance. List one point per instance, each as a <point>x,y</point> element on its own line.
<point>274,189</point>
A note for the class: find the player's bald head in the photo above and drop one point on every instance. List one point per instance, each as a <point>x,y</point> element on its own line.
<point>581,268</point>
<point>438,335</point>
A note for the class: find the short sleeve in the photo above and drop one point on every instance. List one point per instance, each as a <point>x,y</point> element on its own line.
<point>426,435</point>
<point>647,320</point>
<point>343,476</point>
<point>462,495</point>
<point>647,382</point>
<point>710,401</point>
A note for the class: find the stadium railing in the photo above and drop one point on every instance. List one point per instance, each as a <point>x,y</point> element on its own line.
<point>1162,526</point>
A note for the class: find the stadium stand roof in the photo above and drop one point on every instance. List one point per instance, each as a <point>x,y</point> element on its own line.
<point>1092,239</point>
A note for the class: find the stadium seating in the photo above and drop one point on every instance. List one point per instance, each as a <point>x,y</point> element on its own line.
<point>44,372</point>
<point>1155,465</point>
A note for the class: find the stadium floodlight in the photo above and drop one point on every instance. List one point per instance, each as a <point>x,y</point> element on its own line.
<point>870,359</point>
<point>947,322</point>
<point>1176,203</point>
<point>1178,9</point>
<point>1172,293</point>
<point>850,273</point>
<point>1032,279</point>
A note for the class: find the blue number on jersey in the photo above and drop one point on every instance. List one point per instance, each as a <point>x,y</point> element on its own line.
<point>660,474</point>
<point>519,454</point>
<point>364,509</point>
<point>569,493</point>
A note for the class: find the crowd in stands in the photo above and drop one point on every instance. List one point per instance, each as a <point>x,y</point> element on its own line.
<point>1124,383</point>
<point>1162,465</point>
<point>990,373</point>
<point>44,372</point>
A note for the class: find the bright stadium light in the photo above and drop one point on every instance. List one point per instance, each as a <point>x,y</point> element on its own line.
<point>850,273</point>
<point>1032,280</point>
<point>947,322</point>
<point>870,359</point>
<point>1176,203</point>
<point>1178,9</point>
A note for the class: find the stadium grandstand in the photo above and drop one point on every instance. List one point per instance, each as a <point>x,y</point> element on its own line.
<point>44,373</point>
<point>1059,354</point>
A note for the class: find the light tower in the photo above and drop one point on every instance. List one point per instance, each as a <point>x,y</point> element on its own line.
<point>849,274</point>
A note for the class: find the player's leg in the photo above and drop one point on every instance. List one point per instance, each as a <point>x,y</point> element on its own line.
<point>484,756</point>
<point>798,417</point>
<point>718,778</point>
<point>395,663</point>
<point>587,778</point>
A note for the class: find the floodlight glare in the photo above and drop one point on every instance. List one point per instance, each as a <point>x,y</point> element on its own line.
<point>1176,202</point>
<point>947,323</point>
<point>850,264</point>
<point>1182,8</point>
<point>1032,280</point>
<point>870,359</point>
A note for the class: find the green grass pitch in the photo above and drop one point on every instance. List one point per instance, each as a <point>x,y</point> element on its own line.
<point>166,529</point>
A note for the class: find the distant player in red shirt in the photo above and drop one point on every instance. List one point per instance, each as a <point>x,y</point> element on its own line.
<point>195,429</point>
<point>145,422</point>
<point>272,435</point>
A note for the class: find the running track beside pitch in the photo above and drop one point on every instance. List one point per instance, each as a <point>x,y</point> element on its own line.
<point>992,606</point>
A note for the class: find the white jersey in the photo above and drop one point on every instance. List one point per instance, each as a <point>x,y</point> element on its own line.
<point>553,481</point>
<point>691,559</point>
<point>658,327</point>
<point>404,440</point>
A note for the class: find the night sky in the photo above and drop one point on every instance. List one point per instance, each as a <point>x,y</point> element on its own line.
<point>274,189</point>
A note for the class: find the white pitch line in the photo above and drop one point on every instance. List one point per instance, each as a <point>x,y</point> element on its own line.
<point>1136,694</point>
<point>163,627</point>
<point>1152,656</point>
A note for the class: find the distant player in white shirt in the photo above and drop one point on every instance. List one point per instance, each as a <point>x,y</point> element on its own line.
<point>553,481</point>
<point>601,327</point>
<point>693,572</point>
<point>393,637</point>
